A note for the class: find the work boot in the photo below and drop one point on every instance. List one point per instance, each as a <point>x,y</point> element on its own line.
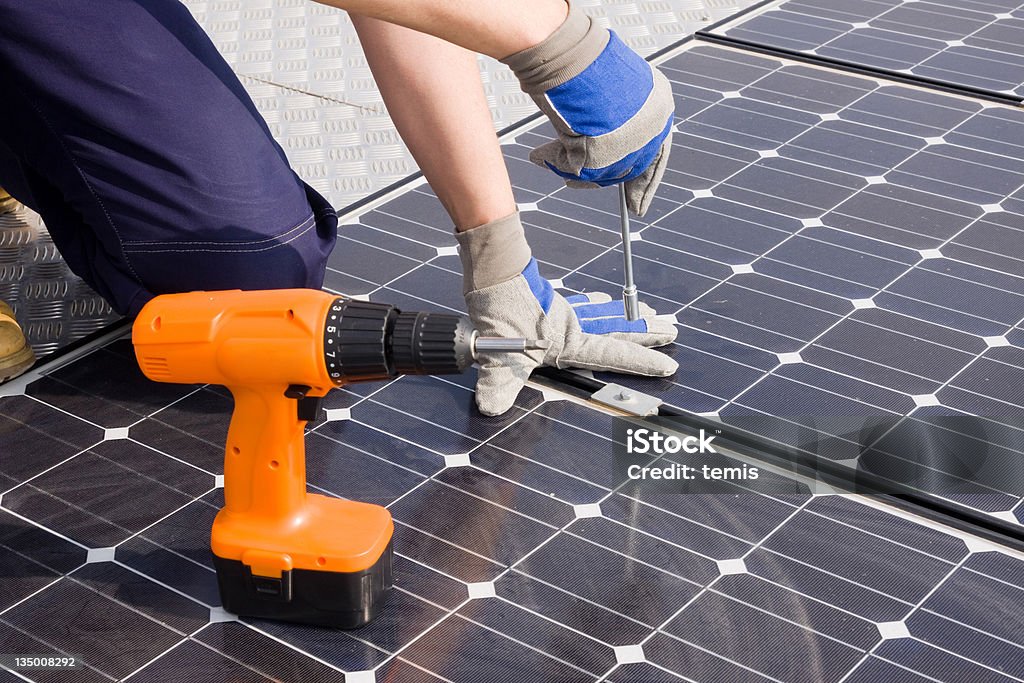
<point>16,355</point>
<point>7,202</point>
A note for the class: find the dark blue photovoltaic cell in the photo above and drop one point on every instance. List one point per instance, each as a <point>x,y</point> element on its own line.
<point>978,45</point>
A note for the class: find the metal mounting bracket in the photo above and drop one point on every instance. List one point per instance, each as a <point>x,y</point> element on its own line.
<point>627,400</point>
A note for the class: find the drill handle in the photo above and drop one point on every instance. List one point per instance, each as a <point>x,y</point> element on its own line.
<point>265,456</point>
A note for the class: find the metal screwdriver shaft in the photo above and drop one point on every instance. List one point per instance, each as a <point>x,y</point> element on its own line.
<point>629,296</point>
<point>503,345</point>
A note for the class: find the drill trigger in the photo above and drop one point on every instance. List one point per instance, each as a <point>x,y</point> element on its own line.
<point>308,406</point>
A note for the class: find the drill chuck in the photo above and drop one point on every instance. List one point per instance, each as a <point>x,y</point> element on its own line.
<point>366,341</point>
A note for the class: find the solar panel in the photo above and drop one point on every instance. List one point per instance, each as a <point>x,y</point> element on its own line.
<point>974,45</point>
<point>839,253</point>
<point>518,561</point>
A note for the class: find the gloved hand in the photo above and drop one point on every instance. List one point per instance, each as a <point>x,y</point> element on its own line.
<point>507,297</point>
<point>612,110</point>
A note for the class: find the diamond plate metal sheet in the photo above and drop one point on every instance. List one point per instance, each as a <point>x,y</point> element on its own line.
<point>312,49</point>
<point>53,306</point>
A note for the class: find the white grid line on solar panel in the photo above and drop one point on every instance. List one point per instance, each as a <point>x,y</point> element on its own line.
<point>295,648</point>
<point>113,598</point>
<point>916,607</point>
<point>960,656</point>
<point>43,588</point>
<point>193,639</point>
<point>939,429</point>
<point>62,462</point>
<point>946,617</point>
<point>92,515</point>
<point>959,372</point>
<point>782,14</point>
<point>661,627</point>
<point>763,329</point>
<point>947,241</point>
<point>187,638</point>
<point>454,614</point>
<point>598,545</point>
<point>433,675</point>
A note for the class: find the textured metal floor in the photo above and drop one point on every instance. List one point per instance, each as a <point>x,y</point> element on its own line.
<point>54,307</point>
<point>303,64</point>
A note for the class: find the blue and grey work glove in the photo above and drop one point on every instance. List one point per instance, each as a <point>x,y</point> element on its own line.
<point>612,110</point>
<point>507,297</point>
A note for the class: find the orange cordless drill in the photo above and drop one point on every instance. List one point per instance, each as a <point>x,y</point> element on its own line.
<point>280,552</point>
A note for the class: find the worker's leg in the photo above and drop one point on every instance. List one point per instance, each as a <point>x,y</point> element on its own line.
<point>434,95</point>
<point>149,163</point>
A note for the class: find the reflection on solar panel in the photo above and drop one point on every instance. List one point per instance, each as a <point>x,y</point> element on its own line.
<point>977,45</point>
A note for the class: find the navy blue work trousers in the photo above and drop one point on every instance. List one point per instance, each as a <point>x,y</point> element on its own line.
<point>122,125</point>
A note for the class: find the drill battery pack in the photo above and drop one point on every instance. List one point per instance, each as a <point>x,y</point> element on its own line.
<point>326,562</point>
<point>337,599</point>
